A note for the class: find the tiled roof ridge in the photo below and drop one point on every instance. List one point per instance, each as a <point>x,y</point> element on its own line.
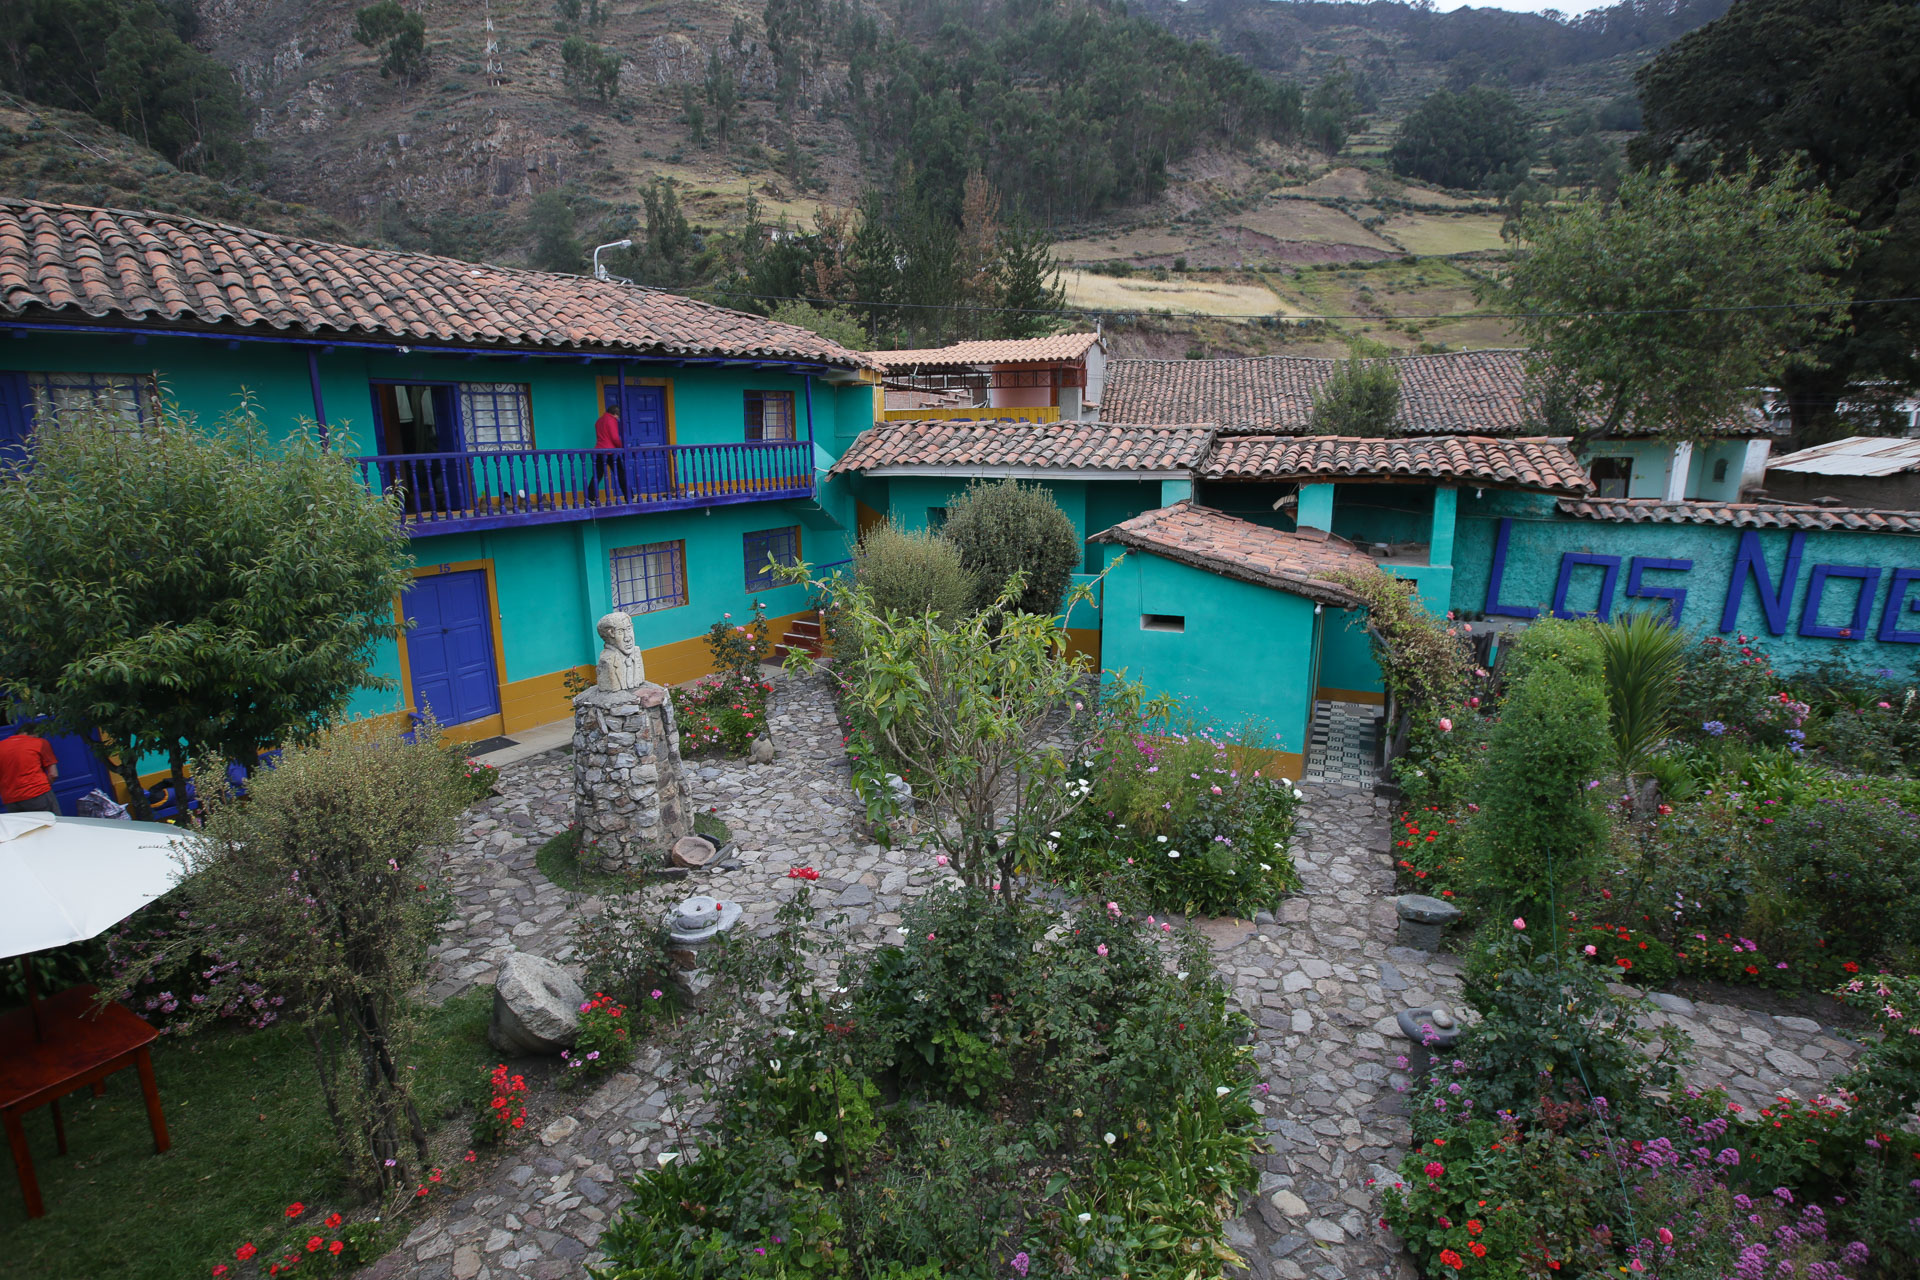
<point>1000,444</point>
<point>1542,463</point>
<point>1256,542</point>
<point>1398,355</point>
<point>152,265</point>
<point>1751,515</point>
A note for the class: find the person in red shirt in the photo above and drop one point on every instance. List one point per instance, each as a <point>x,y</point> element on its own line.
<point>27,771</point>
<point>606,436</point>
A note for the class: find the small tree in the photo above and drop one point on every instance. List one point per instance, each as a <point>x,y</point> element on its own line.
<point>1030,295</point>
<point>1663,311</point>
<point>1008,527</point>
<point>1362,398</point>
<point>913,574</point>
<point>191,592</point>
<point>835,324</point>
<point>1476,139</point>
<point>556,247</point>
<point>586,65</point>
<point>960,710</point>
<point>1643,657</point>
<point>401,36</point>
<point>1540,828</point>
<point>319,884</point>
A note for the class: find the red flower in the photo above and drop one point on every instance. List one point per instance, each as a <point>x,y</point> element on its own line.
<point>314,1243</point>
<point>245,1251</point>
<point>1435,1169</point>
<point>1473,1226</point>
<point>803,873</point>
<point>1753,968</point>
<point>1851,967</point>
<point>1477,1249</point>
<point>220,1270</point>
<point>334,1220</point>
<point>336,1247</point>
<point>1452,1259</point>
<point>295,1209</point>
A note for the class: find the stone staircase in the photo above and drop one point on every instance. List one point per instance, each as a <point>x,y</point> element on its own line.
<point>803,636</point>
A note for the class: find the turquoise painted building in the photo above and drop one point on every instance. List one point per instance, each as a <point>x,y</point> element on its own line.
<point>470,392</point>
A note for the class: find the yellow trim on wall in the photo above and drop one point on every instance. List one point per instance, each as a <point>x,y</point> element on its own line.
<point>486,726</point>
<point>1373,697</point>
<point>539,699</point>
<point>1084,640</point>
<point>602,382</point>
<point>1031,413</point>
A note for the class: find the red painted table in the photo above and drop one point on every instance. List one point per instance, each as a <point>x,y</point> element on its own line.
<point>81,1045</point>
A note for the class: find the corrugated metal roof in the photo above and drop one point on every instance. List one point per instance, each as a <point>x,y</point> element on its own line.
<point>1854,456</point>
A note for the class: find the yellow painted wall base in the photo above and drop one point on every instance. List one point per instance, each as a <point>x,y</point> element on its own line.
<point>540,700</point>
<point>1373,697</point>
<point>1085,640</point>
<point>1033,413</point>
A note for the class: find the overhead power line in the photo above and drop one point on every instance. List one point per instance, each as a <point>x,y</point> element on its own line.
<point>1221,315</point>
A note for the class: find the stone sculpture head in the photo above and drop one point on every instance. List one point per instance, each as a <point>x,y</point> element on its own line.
<point>620,666</point>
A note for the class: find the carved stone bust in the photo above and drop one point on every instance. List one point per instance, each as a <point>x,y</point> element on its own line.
<point>621,666</point>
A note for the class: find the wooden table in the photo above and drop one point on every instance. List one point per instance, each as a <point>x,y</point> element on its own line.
<point>82,1046</point>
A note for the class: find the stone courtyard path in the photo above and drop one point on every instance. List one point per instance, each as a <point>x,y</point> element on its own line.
<point>1322,982</point>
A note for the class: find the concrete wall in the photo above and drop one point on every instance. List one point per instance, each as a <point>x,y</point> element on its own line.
<point>1723,568</point>
<point>1246,653</point>
<point>1889,493</point>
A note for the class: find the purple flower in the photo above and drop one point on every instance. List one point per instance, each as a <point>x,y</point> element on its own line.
<point>1020,1262</point>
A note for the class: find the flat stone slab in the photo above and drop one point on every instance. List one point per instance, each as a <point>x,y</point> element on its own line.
<point>1421,909</point>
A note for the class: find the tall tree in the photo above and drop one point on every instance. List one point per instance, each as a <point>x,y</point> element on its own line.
<point>191,591</point>
<point>1664,310</point>
<point>550,221</point>
<point>1475,139</point>
<point>400,36</point>
<point>1834,86</point>
<point>1031,296</point>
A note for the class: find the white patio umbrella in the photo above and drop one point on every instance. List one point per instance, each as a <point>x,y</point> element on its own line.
<point>68,879</point>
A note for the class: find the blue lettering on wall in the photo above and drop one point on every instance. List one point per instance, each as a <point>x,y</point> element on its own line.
<point>1568,563</point>
<point>1498,572</point>
<point>1675,596</point>
<point>1855,629</point>
<point>1897,603</point>
<point>1750,562</point>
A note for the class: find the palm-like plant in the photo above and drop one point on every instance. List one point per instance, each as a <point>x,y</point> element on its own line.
<point>1642,654</point>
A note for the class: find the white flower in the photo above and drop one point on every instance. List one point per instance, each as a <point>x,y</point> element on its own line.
<point>1265,867</point>
<point>1085,1218</point>
<point>1299,795</point>
<point>1161,839</point>
<point>819,1136</point>
<point>901,931</point>
<point>1181,976</point>
<point>1111,1139</point>
<point>1173,853</point>
<point>667,1157</point>
<point>1054,834</point>
<point>1221,1091</point>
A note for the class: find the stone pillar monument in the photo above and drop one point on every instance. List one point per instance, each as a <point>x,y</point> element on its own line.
<point>630,795</point>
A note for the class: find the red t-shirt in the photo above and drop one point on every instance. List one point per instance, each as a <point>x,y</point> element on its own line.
<point>24,761</point>
<point>606,432</point>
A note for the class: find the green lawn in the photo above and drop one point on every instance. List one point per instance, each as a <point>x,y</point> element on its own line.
<point>249,1138</point>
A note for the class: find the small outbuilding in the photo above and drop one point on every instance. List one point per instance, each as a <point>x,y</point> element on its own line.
<point>1881,472</point>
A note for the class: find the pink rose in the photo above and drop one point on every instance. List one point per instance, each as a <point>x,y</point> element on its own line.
<point>1446,725</point>
<point>1518,923</point>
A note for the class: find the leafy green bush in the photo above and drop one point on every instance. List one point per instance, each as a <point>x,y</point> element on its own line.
<point>726,711</point>
<point>1840,873</point>
<point>1362,398</point>
<point>913,573</point>
<point>1431,852</point>
<point>1621,953</point>
<point>1728,692</point>
<point>1007,527</point>
<point>1182,823</point>
<point>1540,829</point>
<point>1116,1134</point>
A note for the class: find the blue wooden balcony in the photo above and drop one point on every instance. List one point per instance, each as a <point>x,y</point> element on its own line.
<point>455,492</point>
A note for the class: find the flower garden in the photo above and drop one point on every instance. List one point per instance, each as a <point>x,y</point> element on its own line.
<point>1624,806</point>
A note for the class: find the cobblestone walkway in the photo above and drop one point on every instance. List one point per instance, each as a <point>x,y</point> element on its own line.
<point>1323,982</point>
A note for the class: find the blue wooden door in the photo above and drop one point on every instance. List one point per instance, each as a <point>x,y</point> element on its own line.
<point>643,422</point>
<point>450,647</point>
<point>16,417</point>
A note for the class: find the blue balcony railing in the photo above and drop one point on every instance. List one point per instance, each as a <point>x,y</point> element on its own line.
<point>449,492</point>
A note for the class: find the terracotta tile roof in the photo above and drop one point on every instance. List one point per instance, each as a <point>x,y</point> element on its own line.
<point>184,273</point>
<point>1535,463</point>
<point>978,444</point>
<point>1219,543</point>
<point>1743,515</point>
<point>1462,393</point>
<point>1064,346</point>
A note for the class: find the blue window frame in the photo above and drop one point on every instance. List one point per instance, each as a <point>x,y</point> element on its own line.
<point>496,416</point>
<point>767,548</point>
<point>649,578</point>
<point>129,397</point>
<point>770,415</point>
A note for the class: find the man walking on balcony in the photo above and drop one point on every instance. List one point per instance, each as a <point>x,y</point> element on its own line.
<point>27,770</point>
<point>607,464</point>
